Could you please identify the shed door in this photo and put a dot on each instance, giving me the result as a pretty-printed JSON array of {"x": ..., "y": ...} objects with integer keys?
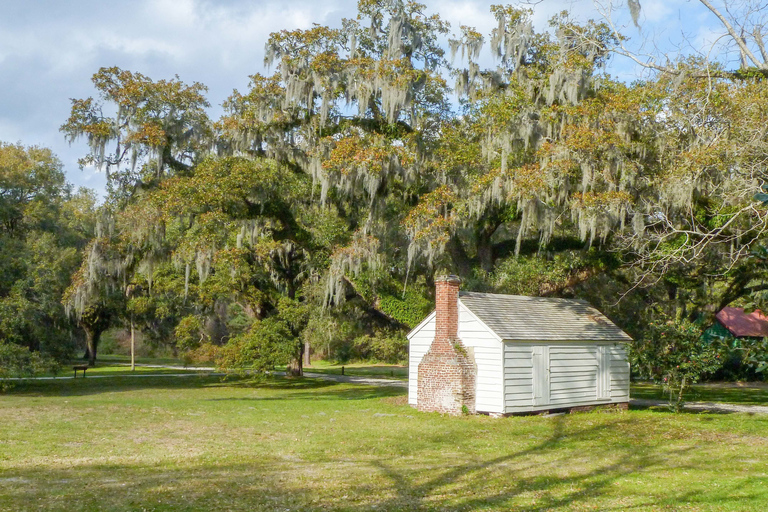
[
  {"x": 540, "y": 375},
  {"x": 604, "y": 372}
]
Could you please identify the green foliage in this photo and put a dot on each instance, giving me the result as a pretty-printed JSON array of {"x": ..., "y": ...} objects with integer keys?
[
  {"x": 43, "y": 228},
  {"x": 348, "y": 170},
  {"x": 382, "y": 346},
  {"x": 330, "y": 332},
  {"x": 743, "y": 358},
  {"x": 189, "y": 333},
  {"x": 267, "y": 344},
  {"x": 407, "y": 308},
  {"x": 157, "y": 127},
  {"x": 675, "y": 355},
  {"x": 535, "y": 275},
  {"x": 19, "y": 362}
]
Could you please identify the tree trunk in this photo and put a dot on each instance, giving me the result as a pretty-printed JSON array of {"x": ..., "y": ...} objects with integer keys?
[
  {"x": 461, "y": 264},
  {"x": 91, "y": 343},
  {"x": 133, "y": 346},
  {"x": 296, "y": 367},
  {"x": 485, "y": 252},
  {"x": 307, "y": 360},
  {"x": 484, "y": 230}
]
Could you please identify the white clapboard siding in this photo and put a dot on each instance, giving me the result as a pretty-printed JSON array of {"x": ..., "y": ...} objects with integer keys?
[
  {"x": 574, "y": 377},
  {"x": 619, "y": 372},
  {"x": 573, "y": 374},
  {"x": 418, "y": 345},
  {"x": 487, "y": 351},
  {"x": 518, "y": 376}
]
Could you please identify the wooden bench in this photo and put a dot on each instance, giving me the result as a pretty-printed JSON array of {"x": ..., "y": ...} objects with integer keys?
[{"x": 78, "y": 367}]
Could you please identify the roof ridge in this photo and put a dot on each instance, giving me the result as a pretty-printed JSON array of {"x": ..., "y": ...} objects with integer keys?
[{"x": 526, "y": 297}]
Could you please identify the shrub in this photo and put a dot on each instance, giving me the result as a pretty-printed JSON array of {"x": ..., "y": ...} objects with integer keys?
[
  {"x": 266, "y": 344},
  {"x": 383, "y": 346},
  {"x": 20, "y": 362},
  {"x": 408, "y": 308},
  {"x": 675, "y": 355}
]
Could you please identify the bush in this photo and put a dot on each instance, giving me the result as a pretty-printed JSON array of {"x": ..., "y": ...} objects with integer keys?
[
  {"x": 533, "y": 275},
  {"x": 384, "y": 347},
  {"x": 743, "y": 358},
  {"x": 408, "y": 308},
  {"x": 19, "y": 362},
  {"x": 675, "y": 355},
  {"x": 266, "y": 344}
]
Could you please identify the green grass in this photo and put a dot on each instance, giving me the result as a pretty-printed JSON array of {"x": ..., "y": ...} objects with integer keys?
[
  {"x": 360, "y": 369},
  {"x": 169, "y": 361},
  {"x": 109, "y": 368},
  {"x": 726, "y": 392},
  {"x": 198, "y": 443}
]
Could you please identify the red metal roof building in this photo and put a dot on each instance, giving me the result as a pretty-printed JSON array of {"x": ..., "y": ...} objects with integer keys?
[{"x": 742, "y": 324}]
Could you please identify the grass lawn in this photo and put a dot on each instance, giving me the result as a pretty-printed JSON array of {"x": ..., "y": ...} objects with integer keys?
[
  {"x": 360, "y": 369},
  {"x": 168, "y": 361},
  {"x": 200, "y": 443},
  {"x": 112, "y": 369},
  {"x": 747, "y": 393}
]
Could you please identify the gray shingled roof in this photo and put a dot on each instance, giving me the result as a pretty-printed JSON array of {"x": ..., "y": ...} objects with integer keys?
[{"x": 515, "y": 317}]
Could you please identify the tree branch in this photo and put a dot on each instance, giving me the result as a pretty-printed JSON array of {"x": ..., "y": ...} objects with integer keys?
[{"x": 736, "y": 37}]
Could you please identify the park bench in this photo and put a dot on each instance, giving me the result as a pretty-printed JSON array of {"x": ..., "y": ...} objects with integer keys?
[{"x": 78, "y": 367}]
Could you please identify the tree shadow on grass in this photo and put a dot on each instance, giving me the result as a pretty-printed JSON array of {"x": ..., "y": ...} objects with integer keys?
[
  {"x": 747, "y": 394},
  {"x": 100, "y": 487},
  {"x": 297, "y": 388},
  {"x": 526, "y": 482},
  {"x": 699, "y": 409},
  {"x": 92, "y": 386},
  {"x": 539, "y": 477},
  {"x": 313, "y": 389}
]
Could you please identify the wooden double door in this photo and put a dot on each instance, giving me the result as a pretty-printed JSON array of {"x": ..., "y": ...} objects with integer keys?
[{"x": 570, "y": 374}]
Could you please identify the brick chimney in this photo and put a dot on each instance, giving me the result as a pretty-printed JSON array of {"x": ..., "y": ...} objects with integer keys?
[
  {"x": 446, "y": 373},
  {"x": 446, "y": 309}
]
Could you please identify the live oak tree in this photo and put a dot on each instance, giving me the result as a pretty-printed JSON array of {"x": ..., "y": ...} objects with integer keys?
[
  {"x": 701, "y": 224},
  {"x": 353, "y": 173},
  {"x": 139, "y": 130}
]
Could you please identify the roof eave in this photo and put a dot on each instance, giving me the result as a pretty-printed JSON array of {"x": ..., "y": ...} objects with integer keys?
[{"x": 572, "y": 340}]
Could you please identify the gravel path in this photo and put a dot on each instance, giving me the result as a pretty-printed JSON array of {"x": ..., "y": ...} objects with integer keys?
[{"x": 715, "y": 407}]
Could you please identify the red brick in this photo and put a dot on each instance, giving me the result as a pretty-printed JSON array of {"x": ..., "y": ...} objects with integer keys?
[{"x": 446, "y": 374}]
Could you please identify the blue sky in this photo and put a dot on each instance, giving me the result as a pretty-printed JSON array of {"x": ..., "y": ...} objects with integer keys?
[{"x": 49, "y": 48}]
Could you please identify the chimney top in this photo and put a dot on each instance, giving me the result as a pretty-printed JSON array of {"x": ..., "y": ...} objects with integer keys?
[{"x": 448, "y": 279}]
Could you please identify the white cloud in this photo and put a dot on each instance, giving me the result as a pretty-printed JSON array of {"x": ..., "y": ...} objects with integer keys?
[
  {"x": 49, "y": 49},
  {"x": 655, "y": 11}
]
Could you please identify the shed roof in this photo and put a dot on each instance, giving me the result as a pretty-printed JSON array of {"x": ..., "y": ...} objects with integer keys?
[
  {"x": 753, "y": 324},
  {"x": 517, "y": 317}
]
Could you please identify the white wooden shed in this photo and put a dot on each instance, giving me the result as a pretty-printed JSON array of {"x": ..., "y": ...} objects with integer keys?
[{"x": 530, "y": 353}]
